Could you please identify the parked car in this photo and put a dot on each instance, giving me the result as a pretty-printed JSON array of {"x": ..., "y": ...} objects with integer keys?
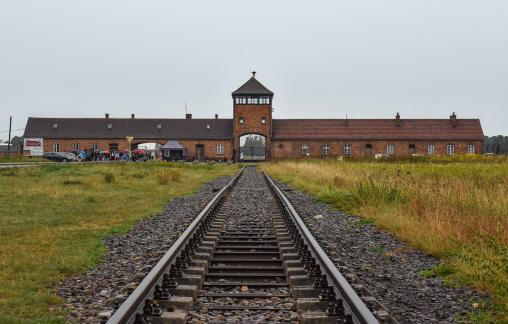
[{"x": 60, "y": 157}]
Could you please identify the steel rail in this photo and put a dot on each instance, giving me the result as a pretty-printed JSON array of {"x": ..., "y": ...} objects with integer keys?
[
  {"x": 360, "y": 312},
  {"x": 127, "y": 311}
]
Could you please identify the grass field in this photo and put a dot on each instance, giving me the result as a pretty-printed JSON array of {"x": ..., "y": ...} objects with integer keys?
[
  {"x": 20, "y": 158},
  {"x": 456, "y": 209},
  {"x": 53, "y": 217}
]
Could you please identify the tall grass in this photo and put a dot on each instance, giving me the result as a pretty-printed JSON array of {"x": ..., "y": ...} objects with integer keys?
[
  {"x": 52, "y": 220},
  {"x": 454, "y": 210}
]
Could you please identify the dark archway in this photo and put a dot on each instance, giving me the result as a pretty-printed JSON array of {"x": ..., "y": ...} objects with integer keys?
[{"x": 252, "y": 147}]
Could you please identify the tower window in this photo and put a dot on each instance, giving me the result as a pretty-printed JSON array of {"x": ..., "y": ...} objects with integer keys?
[
  {"x": 241, "y": 120},
  {"x": 263, "y": 120},
  {"x": 237, "y": 100}
]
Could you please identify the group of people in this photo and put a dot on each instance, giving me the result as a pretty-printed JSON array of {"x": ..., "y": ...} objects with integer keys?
[{"x": 136, "y": 155}]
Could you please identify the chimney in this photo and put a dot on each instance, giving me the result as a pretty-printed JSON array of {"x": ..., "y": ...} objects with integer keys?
[
  {"x": 216, "y": 116},
  {"x": 107, "y": 115},
  {"x": 132, "y": 116},
  {"x": 188, "y": 116},
  {"x": 453, "y": 119},
  {"x": 397, "y": 119}
]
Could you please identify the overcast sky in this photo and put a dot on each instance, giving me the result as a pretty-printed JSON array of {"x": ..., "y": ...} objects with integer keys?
[{"x": 322, "y": 59}]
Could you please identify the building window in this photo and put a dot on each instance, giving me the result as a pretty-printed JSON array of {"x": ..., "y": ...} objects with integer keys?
[
  {"x": 75, "y": 147},
  {"x": 431, "y": 149},
  {"x": 470, "y": 148},
  {"x": 56, "y": 147},
  {"x": 244, "y": 100},
  {"x": 263, "y": 120},
  {"x": 110, "y": 126},
  {"x": 237, "y": 100},
  {"x": 220, "y": 149},
  {"x": 389, "y": 149},
  {"x": 95, "y": 147},
  {"x": 347, "y": 149},
  {"x": 252, "y": 100},
  {"x": 305, "y": 149},
  {"x": 326, "y": 149},
  {"x": 241, "y": 120},
  {"x": 450, "y": 149}
]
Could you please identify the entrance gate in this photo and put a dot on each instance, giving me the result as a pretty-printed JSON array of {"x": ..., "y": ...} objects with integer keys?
[{"x": 252, "y": 148}]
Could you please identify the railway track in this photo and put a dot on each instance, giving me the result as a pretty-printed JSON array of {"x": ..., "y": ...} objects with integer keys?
[{"x": 248, "y": 257}]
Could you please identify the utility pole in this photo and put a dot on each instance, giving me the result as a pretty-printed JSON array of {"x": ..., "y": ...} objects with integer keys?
[{"x": 9, "y": 143}]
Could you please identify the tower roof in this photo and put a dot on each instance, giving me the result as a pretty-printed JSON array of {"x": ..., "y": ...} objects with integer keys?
[{"x": 252, "y": 87}]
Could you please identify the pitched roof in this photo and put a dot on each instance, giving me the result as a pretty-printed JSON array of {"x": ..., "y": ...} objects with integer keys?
[
  {"x": 122, "y": 127},
  {"x": 172, "y": 145},
  {"x": 377, "y": 129},
  {"x": 252, "y": 87}
]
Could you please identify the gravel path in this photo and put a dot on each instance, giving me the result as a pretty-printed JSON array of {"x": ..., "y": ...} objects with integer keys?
[
  {"x": 387, "y": 267},
  {"x": 130, "y": 257}
]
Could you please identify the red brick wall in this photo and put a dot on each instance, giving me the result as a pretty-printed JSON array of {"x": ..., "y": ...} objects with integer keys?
[
  {"x": 292, "y": 149},
  {"x": 210, "y": 146},
  {"x": 252, "y": 115}
]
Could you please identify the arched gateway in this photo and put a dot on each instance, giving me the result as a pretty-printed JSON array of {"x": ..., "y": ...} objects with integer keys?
[{"x": 252, "y": 147}]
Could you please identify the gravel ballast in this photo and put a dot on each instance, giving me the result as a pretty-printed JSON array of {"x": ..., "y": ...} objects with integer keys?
[
  {"x": 390, "y": 270},
  {"x": 130, "y": 257}
]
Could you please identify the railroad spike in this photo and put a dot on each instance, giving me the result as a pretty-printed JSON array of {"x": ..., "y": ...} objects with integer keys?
[
  {"x": 151, "y": 308},
  {"x": 140, "y": 319},
  {"x": 335, "y": 308},
  {"x": 161, "y": 293},
  {"x": 327, "y": 294},
  {"x": 321, "y": 282}
]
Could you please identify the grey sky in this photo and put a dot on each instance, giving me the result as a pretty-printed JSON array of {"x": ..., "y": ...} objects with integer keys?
[{"x": 323, "y": 59}]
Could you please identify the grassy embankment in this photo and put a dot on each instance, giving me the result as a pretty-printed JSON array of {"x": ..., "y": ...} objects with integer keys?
[
  {"x": 20, "y": 158},
  {"x": 52, "y": 219},
  {"x": 453, "y": 208}
]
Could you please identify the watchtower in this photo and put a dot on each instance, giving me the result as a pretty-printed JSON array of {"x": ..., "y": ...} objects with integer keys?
[{"x": 252, "y": 121}]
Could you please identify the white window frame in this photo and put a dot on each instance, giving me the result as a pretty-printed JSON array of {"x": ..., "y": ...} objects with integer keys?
[
  {"x": 348, "y": 149},
  {"x": 326, "y": 149},
  {"x": 75, "y": 146},
  {"x": 241, "y": 120},
  {"x": 431, "y": 149},
  {"x": 263, "y": 120},
  {"x": 450, "y": 149},
  {"x": 56, "y": 147},
  {"x": 470, "y": 148},
  {"x": 305, "y": 149},
  {"x": 95, "y": 147},
  {"x": 220, "y": 149},
  {"x": 390, "y": 149}
]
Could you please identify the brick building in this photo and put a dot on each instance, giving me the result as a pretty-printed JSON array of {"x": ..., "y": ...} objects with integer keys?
[{"x": 252, "y": 134}]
